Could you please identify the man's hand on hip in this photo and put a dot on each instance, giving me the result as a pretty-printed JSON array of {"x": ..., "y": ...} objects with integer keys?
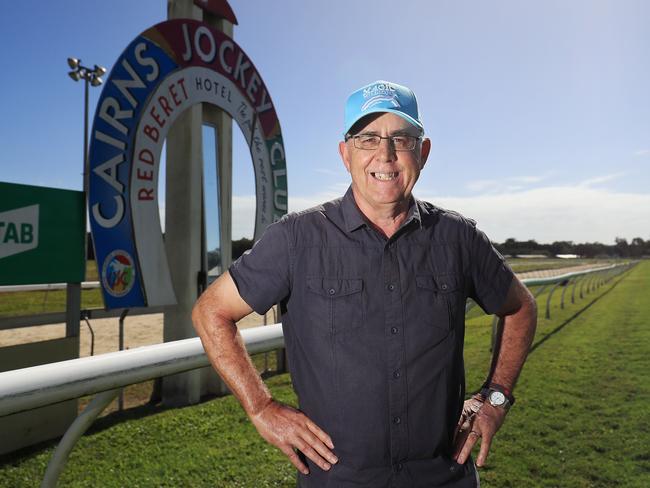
[
  {"x": 288, "y": 428},
  {"x": 478, "y": 420}
]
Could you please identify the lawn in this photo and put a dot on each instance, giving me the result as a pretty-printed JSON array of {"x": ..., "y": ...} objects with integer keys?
[
  {"x": 582, "y": 417},
  {"x": 35, "y": 302}
]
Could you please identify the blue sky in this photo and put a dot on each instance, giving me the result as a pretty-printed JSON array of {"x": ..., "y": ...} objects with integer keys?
[{"x": 539, "y": 112}]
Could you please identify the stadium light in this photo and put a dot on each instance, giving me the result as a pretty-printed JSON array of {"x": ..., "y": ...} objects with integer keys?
[{"x": 90, "y": 77}]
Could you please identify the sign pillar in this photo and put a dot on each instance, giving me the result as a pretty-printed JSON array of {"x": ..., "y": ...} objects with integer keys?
[
  {"x": 222, "y": 122},
  {"x": 183, "y": 212},
  {"x": 183, "y": 228}
]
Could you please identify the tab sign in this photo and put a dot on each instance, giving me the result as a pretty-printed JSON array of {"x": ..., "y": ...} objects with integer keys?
[{"x": 18, "y": 230}]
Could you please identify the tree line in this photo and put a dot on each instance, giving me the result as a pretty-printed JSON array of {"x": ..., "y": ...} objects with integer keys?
[{"x": 636, "y": 248}]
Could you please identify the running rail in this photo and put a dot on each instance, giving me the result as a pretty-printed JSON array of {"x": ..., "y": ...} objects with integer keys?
[
  {"x": 86, "y": 285},
  {"x": 105, "y": 374},
  {"x": 38, "y": 386}
]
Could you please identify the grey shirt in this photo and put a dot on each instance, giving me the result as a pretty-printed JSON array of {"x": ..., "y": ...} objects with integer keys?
[{"x": 374, "y": 331}]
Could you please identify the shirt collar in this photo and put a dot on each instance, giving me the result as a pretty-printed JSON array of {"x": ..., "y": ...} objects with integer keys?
[
  {"x": 352, "y": 216},
  {"x": 354, "y": 219}
]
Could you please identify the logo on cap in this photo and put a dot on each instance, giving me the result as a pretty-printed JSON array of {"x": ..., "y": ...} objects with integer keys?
[{"x": 381, "y": 92}]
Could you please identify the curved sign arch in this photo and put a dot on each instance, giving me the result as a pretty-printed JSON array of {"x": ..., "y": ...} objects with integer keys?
[{"x": 163, "y": 72}]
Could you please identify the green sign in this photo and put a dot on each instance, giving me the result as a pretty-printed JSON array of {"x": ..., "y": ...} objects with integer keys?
[{"x": 42, "y": 234}]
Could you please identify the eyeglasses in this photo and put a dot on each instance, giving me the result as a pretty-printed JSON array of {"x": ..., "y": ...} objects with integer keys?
[{"x": 401, "y": 142}]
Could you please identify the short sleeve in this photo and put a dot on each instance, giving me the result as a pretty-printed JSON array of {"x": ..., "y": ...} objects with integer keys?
[
  {"x": 490, "y": 274},
  {"x": 261, "y": 274}
]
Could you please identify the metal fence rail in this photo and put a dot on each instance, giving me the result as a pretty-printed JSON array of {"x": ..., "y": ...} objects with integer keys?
[
  {"x": 38, "y": 386},
  {"x": 106, "y": 374},
  {"x": 86, "y": 285}
]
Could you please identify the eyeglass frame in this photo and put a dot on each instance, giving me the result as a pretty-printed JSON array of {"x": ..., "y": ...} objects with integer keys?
[{"x": 415, "y": 140}]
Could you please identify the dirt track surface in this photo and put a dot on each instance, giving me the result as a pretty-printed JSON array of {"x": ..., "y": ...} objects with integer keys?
[
  {"x": 139, "y": 330},
  {"x": 142, "y": 330}
]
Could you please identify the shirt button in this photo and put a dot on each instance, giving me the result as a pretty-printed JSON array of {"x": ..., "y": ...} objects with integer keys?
[
  {"x": 394, "y": 330},
  {"x": 398, "y": 467},
  {"x": 444, "y": 286},
  {"x": 331, "y": 291},
  {"x": 396, "y": 374},
  {"x": 397, "y": 420},
  {"x": 390, "y": 287}
]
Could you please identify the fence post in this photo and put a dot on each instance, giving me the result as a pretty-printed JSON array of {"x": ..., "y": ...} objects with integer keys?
[
  {"x": 120, "y": 400},
  {"x": 548, "y": 300},
  {"x": 565, "y": 284},
  {"x": 539, "y": 292},
  {"x": 493, "y": 340},
  {"x": 573, "y": 290},
  {"x": 72, "y": 435}
]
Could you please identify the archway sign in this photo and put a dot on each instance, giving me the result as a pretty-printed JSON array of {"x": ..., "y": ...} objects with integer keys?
[{"x": 164, "y": 71}]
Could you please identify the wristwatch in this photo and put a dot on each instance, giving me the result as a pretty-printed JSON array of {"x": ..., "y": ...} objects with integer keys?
[{"x": 498, "y": 396}]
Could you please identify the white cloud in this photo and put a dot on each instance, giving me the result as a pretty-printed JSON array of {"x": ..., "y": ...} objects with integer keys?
[
  {"x": 642, "y": 152},
  {"x": 555, "y": 213},
  {"x": 581, "y": 213},
  {"x": 600, "y": 179},
  {"x": 161, "y": 212},
  {"x": 243, "y": 207},
  {"x": 243, "y": 216},
  {"x": 483, "y": 185},
  {"x": 510, "y": 183},
  {"x": 527, "y": 179}
]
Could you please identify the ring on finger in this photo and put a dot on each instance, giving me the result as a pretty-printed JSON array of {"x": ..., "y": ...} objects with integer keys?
[{"x": 477, "y": 434}]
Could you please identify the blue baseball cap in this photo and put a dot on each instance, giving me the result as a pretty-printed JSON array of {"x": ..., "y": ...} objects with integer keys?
[{"x": 382, "y": 96}]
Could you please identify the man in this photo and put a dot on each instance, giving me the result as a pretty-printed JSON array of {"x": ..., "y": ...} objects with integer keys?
[{"x": 372, "y": 288}]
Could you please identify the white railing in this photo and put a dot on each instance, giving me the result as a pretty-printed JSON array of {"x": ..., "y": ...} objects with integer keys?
[
  {"x": 106, "y": 374},
  {"x": 38, "y": 386},
  {"x": 86, "y": 285}
]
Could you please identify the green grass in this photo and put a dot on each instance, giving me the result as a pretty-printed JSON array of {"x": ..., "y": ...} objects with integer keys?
[
  {"x": 35, "y": 302},
  {"x": 581, "y": 419},
  {"x": 20, "y": 303}
]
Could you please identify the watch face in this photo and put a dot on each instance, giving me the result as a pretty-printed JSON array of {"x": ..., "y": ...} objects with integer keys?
[{"x": 497, "y": 398}]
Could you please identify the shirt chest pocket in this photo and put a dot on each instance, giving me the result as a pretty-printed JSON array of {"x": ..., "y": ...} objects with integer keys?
[
  {"x": 438, "y": 299},
  {"x": 335, "y": 304}
]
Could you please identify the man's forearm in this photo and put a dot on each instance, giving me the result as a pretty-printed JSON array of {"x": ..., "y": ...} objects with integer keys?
[
  {"x": 287, "y": 428},
  {"x": 227, "y": 353},
  {"x": 515, "y": 333},
  {"x": 514, "y": 338}
]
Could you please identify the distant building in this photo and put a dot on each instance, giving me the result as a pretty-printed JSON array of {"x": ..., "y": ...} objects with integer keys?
[{"x": 532, "y": 256}]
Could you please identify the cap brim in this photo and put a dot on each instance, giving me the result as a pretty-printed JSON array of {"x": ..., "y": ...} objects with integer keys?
[{"x": 378, "y": 110}]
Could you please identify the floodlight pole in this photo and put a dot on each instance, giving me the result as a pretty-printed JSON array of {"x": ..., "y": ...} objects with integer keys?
[
  {"x": 90, "y": 76},
  {"x": 85, "y": 187},
  {"x": 73, "y": 295}
]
